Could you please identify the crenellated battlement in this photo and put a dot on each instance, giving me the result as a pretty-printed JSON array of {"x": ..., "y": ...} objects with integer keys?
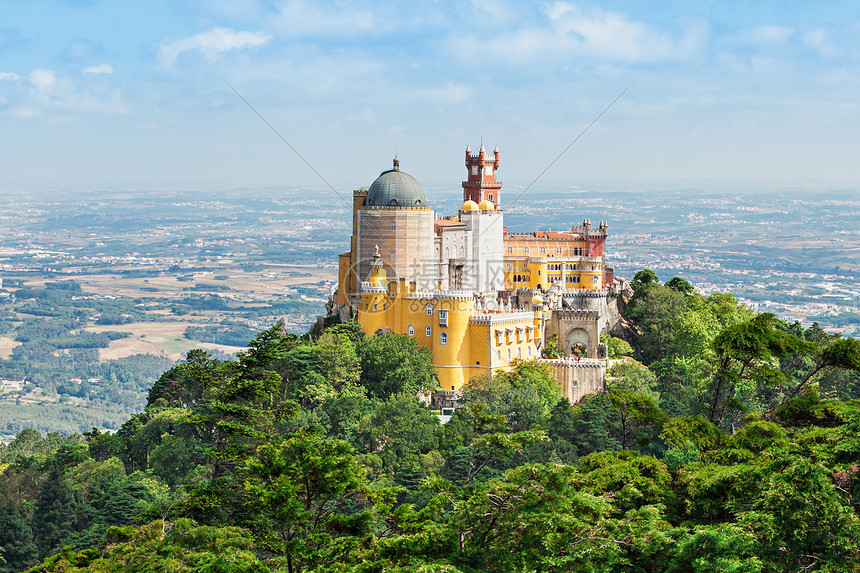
[
  {"x": 578, "y": 314},
  {"x": 491, "y": 317}
]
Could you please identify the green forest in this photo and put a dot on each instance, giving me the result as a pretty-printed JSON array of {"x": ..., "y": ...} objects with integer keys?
[{"x": 726, "y": 441}]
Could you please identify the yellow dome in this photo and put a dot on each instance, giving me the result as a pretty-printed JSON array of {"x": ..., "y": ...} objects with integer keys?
[
  {"x": 486, "y": 205},
  {"x": 537, "y": 300},
  {"x": 469, "y": 206}
]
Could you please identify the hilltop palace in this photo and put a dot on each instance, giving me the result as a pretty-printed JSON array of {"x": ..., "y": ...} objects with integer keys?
[{"x": 474, "y": 293}]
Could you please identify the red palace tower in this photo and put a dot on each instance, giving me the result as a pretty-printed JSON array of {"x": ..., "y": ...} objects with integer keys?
[{"x": 482, "y": 182}]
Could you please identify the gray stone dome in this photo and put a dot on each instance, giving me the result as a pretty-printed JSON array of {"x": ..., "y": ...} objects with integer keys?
[{"x": 395, "y": 188}]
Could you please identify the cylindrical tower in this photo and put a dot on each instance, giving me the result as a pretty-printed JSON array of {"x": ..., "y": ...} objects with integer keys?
[
  {"x": 451, "y": 346},
  {"x": 395, "y": 217}
]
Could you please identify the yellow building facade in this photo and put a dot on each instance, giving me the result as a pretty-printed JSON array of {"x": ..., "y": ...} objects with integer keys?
[{"x": 465, "y": 339}]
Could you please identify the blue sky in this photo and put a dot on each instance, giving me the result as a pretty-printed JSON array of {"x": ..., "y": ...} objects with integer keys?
[{"x": 132, "y": 95}]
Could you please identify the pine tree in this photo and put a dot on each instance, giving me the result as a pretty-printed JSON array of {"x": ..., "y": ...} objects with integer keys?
[
  {"x": 16, "y": 539},
  {"x": 54, "y": 518}
]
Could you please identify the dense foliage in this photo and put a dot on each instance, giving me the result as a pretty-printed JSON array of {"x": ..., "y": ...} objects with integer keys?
[{"x": 730, "y": 443}]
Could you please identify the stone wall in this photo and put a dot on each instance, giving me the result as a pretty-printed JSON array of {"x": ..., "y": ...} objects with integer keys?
[{"x": 578, "y": 378}]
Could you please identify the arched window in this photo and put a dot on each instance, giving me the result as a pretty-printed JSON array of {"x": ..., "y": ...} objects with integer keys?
[
  {"x": 509, "y": 354},
  {"x": 500, "y": 354},
  {"x": 443, "y": 338},
  {"x": 530, "y": 351},
  {"x": 490, "y": 197},
  {"x": 526, "y": 250},
  {"x": 411, "y": 330},
  {"x": 428, "y": 331},
  {"x": 429, "y": 310}
]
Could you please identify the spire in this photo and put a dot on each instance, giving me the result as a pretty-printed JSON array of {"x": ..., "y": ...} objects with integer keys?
[{"x": 396, "y": 163}]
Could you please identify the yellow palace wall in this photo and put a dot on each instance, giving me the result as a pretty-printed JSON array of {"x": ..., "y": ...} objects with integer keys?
[
  {"x": 470, "y": 349},
  {"x": 544, "y": 261}
]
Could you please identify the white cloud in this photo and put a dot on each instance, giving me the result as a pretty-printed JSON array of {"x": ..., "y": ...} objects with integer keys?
[
  {"x": 24, "y": 112},
  {"x": 768, "y": 35},
  {"x": 614, "y": 36},
  {"x": 819, "y": 41},
  {"x": 449, "y": 95},
  {"x": 758, "y": 38},
  {"x": 211, "y": 43},
  {"x": 99, "y": 69},
  {"x": 59, "y": 98},
  {"x": 43, "y": 80},
  {"x": 594, "y": 34},
  {"x": 9, "y": 76},
  {"x": 299, "y": 18}
]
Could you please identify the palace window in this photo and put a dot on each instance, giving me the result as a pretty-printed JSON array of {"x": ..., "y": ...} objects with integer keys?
[
  {"x": 543, "y": 250},
  {"x": 526, "y": 250},
  {"x": 411, "y": 330},
  {"x": 443, "y": 338},
  {"x": 443, "y": 318},
  {"x": 558, "y": 250},
  {"x": 428, "y": 331},
  {"x": 519, "y": 352},
  {"x": 509, "y": 354},
  {"x": 429, "y": 310},
  {"x": 510, "y": 250}
]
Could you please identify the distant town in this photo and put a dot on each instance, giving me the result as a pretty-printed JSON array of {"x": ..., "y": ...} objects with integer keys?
[{"x": 101, "y": 294}]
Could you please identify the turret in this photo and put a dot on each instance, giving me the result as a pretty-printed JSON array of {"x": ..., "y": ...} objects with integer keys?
[
  {"x": 481, "y": 184},
  {"x": 378, "y": 277},
  {"x": 374, "y": 309}
]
